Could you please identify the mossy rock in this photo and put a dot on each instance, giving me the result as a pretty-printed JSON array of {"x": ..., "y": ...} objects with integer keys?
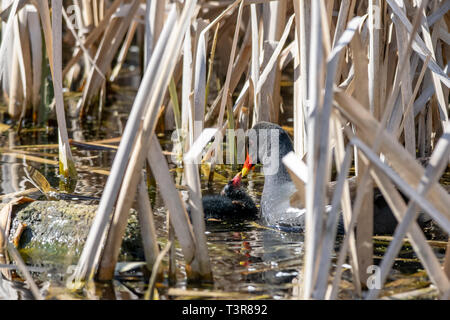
[{"x": 56, "y": 231}]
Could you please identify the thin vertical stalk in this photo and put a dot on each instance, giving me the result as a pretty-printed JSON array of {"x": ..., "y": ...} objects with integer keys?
[
  {"x": 313, "y": 210},
  {"x": 66, "y": 162}
]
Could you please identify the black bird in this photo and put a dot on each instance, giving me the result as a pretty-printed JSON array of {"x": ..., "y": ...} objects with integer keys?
[{"x": 233, "y": 203}]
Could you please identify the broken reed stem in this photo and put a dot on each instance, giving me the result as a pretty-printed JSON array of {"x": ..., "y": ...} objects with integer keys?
[
  {"x": 149, "y": 294},
  {"x": 22, "y": 267},
  {"x": 211, "y": 64}
]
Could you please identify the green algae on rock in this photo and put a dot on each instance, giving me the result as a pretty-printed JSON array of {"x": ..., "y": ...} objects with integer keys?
[{"x": 57, "y": 230}]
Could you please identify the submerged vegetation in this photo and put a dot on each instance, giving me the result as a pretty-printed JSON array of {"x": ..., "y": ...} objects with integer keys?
[{"x": 361, "y": 87}]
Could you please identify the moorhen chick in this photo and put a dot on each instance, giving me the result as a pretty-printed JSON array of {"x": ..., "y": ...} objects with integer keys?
[{"x": 233, "y": 203}]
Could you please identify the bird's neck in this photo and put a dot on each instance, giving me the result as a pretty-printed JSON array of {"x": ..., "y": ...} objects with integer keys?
[{"x": 276, "y": 174}]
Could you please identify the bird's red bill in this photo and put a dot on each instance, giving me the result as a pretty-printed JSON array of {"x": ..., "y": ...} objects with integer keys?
[
  {"x": 248, "y": 165},
  {"x": 237, "y": 180}
]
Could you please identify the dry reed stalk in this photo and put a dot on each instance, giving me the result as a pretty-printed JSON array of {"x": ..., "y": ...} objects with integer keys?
[
  {"x": 15, "y": 85},
  {"x": 124, "y": 50},
  {"x": 273, "y": 20},
  {"x": 375, "y": 20},
  {"x": 236, "y": 109},
  {"x": 226, "y": 93},
  {"x": 326, "y": 39},
  {"x": 66, "y": 162},
  {"x": 438, "y": 163},
  {"x": 274, "y": 57},
  {"x": 91, "y": 251},
  {"x": 436, "y": 81},
  {"x": 25, "y": 59},
  {"x": 364, "y": 244},
  {"x": 96, "y": 12},
  {"x": 267, "y": 81},
  {"x": 79, "y": 21},
  {"x": 419, "y": 45},
  {"x": 331, "y": 226},
  {"x": 211, "y": 64},
  {"x": 187, "y": 120},
  {"x": 7, "y": 40},
  {"x": 340, "y": 158},
  {"x": 406, "y": 90},
  {"x": 414, "y": 94},
  {"x": 191, "y": 160},
  {"x": 53, "y": 41},
  {"x": 418, "y": 240},
  {"x": 301, "y": 8},
  {"x": 314, "y": 205},
  {"x": 391, "y": 152},
  {"x": 255, "y": 64},
  {"x": 147, "y": 225},
  {"x": 402, "y": 162},
  {"x": 93, "y": 35},
  {"x": 226, "y": 87},
  {"x": 87, "y": 53},
  {"x": 7, "y": 7},
  {"x": 149, "y": 294},
  {"x": 178, "y": 216},
  {"x": 381, "y": 63},
  {"x": 344, "y": 11},
  {"x": 143, "y": 141},
  {"x": 30, "y": 158},
  {"x": 341, "y": 193},
  {"x": 200, "y": 77},
  {"x": 5, "y": 245},
  {"x": 298, "y": 171},
  {"x": 5, "y": 226},
  {"x": 86, "y": 10},
  {"x": 239, "y": 68},
  {"x": 112, "y": 38},
  {"x": 324, "y": 118},
  {"x": 34, "y": 29},
  {"x": 377, "y": 142},
  {"x": 446, "y": 266},
  {"x": 154, "y": 22},
  {"x": 19, "y": 193}
]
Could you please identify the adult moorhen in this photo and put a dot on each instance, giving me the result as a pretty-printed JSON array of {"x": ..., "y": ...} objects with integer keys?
[{"x": 268, "y": 144}]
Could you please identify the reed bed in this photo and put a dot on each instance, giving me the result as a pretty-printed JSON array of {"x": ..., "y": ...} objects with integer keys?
[{"x": 369, "y": 87}]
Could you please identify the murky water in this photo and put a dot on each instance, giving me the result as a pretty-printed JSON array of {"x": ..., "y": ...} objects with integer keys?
[{"x": 247, "y": 259}]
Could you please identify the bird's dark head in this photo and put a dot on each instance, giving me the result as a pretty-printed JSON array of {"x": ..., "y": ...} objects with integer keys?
[
  {"x": 233, "y": 186},
  {"x": 268, "y": 143}
]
